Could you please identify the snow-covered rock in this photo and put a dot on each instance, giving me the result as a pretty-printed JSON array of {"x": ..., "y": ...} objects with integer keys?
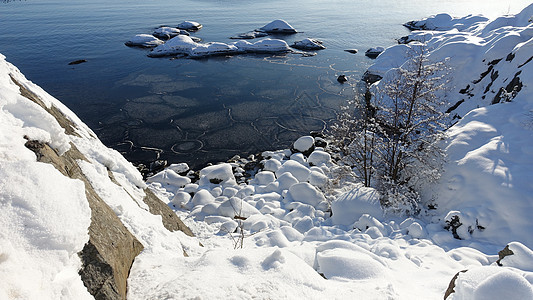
[
  {"x": 308, "y": 44},
  {"x": 319, "y": 158},
  {"x": 144, "y": 40},
  {"x": 296, "y": 169},
  {"x": 169, "y": 177},
  {"x": 350, "y": 206},
  {"x": 305, "y": 193},
  {"x": 278, "y": 26},
  {"x": 304, "y": 144},
  {"x": 218, "y": 174},
  {"x": 189, "y": 26},
  {"x": 180, "y": 44},
  {"x": 236, "y": 207},
  {"x": 166, "y": 32},
  {"x": 263, "y": 46}
]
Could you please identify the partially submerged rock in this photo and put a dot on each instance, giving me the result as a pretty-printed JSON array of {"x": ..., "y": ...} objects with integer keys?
[
  {"x": 352, "y": 51},
  {"x": 144, "y": 41},
  {"x": 374, "y": 52},
  {"x": 186, "y": 46},
  {"x": 308, "y": 44},
  {"x": 342, "y": 78},
  {"x": 168, "y": 32},
  {"x": 263, "y": 46},
  {"x": 190, "y": 26},
  {"x": 250, "y": 35},
  {"x": 278, "y": 26}
]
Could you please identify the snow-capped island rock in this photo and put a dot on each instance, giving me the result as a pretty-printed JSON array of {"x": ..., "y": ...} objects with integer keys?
[
  {"x": 308, "y": 44},
  {"x": 167, "y": 32},
  {"x": 189, "y": 26},
  {"x": 278, "y": 26},
  {"x": 186, "y": 46},
  {"x": 144, "y": 41}
]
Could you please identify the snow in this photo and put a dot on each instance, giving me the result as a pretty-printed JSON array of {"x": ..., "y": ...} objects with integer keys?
[
  {"x": 304, "y": 143},
  {"x": 350, "y": 206},
  {"x": 278, "y": 26},
  {"x": 144, "y": 40},
  {"x": 279, "y": 233},
  {"x": 189, "y": 25},
  {"x": 185, "y": 45},
  {"x": 308, "y": 44},
  {"x": 492, "y": 283},
  {"x": 166, "y": 32}
]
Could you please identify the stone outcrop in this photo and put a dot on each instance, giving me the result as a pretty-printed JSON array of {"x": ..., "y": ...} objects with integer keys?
[{"x": 111, "y": 250}]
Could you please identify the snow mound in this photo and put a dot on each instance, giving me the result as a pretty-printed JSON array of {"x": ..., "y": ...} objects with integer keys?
[
  {"x": 278, "y": 26},
  {"x": 350, "y": 206},
  {"x": 492, "y": 283}
]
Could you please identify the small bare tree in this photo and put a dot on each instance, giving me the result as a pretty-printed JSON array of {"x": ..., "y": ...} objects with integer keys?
[{"x": 391, "y": 136}]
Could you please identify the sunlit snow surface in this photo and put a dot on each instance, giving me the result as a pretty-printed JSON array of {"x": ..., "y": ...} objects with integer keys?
[
  {"x": 291, "y": 244},
  {"x": 290, "y": 240}
]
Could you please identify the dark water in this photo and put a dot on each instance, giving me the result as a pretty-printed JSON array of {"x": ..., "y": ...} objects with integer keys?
[{"x": 198, "y": 111}]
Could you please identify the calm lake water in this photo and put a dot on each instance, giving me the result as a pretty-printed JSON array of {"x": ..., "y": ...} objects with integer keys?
[{"x": 198, "y": 111}]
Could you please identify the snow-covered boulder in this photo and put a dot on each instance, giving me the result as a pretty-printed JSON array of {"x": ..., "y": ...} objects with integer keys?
[
  {"x": 144, "y": 40},
  {"x": 489, "y": 282},
  {"x": 202, "y": 197},
  {"x": 218, "y": 174},
  {"x": 169, "y": 177},
  {"x": 308, "y": 44},
  {"x": 189, "y": 26},
  {"x": 180, "y": 168},
  {"x": 278, "y": 26},
  {"x": 236, "y": 207},
  {"x": 305, "y": 193},
  {"x": 296, "y": 169},
  {"x": 263, "y": 46},
  {"x": 350, "y": 206},
  {"x": 166, "y": 32},
  {"x": 212, "y": 49},
  {"x": 319, "y": 158},
  {"x": 304, "y": 144},
  {"x": 180, "y": 44}
]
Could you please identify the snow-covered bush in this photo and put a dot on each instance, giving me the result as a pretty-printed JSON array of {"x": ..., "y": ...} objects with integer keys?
[{"x": 391, "y": 136}]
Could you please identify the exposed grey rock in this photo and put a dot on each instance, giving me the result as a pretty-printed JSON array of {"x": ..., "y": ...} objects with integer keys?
[{"x": 451, "y": 286}]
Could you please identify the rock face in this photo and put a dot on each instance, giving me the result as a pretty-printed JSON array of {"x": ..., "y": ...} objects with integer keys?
[{"x": 109, "y": 254}]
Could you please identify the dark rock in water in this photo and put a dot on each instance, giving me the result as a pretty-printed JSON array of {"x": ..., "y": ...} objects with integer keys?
[
  {"x": 374, "y": 52},
  {"x": 404, "y": 40},
  {"x": 371, "y": 78},
  {"x": 342, "y": 78},
  {"x": 320, "y": 142},
  {"x": 352, "y": 51},
  {"x": 157, "y": 166},
  {"x": 77, "y": 62}
]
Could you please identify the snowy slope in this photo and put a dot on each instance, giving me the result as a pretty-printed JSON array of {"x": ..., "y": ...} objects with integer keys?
[
  {"x": 46, "y": 215},
  {"x": 488, "y": 182}
]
